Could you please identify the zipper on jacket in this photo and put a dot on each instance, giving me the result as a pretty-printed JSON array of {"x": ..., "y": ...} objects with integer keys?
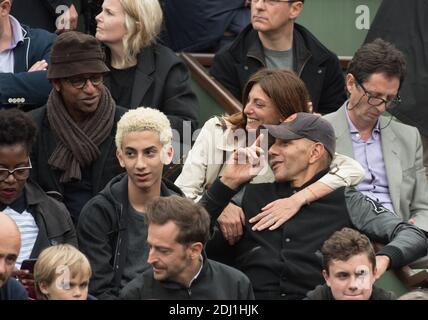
[{"x": 117, "y": 255}]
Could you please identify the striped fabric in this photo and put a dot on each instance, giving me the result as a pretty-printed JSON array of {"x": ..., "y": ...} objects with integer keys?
[{"x": 29, "y": 231}]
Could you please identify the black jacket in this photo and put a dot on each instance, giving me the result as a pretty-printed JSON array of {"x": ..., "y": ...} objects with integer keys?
[
  {"x": 103, "y": 236},
  {"x": 103, "y": 169},
  {"x": 216, "y": 281},
  {"x": 52, "y": 219},
  {"x": 162, "y": 82},
  {"x": 318, "y": 67},
  {"x": 323, "y": 292},
  {"x": 286, "y": 263}
]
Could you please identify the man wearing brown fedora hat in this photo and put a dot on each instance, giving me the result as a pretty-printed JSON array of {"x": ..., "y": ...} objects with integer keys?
[
  {"x": 283, "y": 263},
  {"x": 75, "y": 153}
]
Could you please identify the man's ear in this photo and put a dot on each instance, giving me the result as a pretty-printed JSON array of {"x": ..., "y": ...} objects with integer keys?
[
  {"x": 196, "y": 249},
  {"x": 350, "y": 82},
  {"x": 296, "y": 9},
  {"x": 317, "y": 152},
  {"x": 326, "y": 277},
  {"x": 119, "y": 156},
  {"x": 374, "y": 275},
  {"x": 166, "y": 155},
  {"x": 5, "y": 8},
  {"x": 56, "y": 84}
]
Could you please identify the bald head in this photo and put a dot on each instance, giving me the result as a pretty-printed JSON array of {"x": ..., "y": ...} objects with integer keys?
[
  {"x": 9, "y": 229},
  {"x": 10, "y": 244}
]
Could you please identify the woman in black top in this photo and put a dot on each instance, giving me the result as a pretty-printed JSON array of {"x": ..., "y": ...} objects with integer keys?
[{"x": 144, "y": 73}]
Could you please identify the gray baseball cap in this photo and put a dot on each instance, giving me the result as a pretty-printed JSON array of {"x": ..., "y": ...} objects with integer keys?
[{"x": 305, "y": 125}]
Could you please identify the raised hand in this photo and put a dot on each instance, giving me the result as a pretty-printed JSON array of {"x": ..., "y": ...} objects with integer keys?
[{"x": 244, "y": 164}]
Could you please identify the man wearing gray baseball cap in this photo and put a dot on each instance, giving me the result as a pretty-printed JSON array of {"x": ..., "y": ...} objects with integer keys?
[{"x": 282, "y": 263}]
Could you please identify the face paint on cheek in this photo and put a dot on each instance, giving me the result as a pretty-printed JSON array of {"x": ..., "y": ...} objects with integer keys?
[{"x": 363, "y": 279}]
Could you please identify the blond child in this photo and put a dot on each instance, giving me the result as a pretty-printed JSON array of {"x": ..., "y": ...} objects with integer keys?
[{"x": 62, "y": 272}]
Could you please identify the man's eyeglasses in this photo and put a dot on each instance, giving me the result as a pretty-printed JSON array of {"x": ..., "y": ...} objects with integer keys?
[
  {"x": 376, "y": 101},
  {"x": 80, "y": 82},
  {"x": 20, "y": 173},
  {"x": 270, "y": 2}
]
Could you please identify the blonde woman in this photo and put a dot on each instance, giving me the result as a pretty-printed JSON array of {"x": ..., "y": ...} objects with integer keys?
[
  {"x": 62, "y": 272},
  {"x": 144, "y": 73}
]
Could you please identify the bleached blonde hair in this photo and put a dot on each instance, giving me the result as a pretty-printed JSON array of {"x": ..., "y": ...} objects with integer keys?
[
  {"x": 55, "y": 257},
  {"x": 144, "y": 119},
  {"x": 143, "y": 21}
]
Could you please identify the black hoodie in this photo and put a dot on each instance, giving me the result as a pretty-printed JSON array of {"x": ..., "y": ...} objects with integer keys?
[{"x": 103, "y": 237}]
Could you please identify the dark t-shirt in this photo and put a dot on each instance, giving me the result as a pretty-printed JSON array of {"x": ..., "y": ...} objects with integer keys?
[
  {"x": 13, "y": 290},
  {"x": 121, "y": 85},
  {"x": 138, "y": 250}
]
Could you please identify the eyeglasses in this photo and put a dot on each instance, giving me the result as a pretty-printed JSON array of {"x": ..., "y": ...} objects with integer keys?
[
  {"x": 376, "y": 101},
  {"x": 80, "y": 82},
  {"x": 20, "y": 173},
  {"x": 272, "y": 2}
]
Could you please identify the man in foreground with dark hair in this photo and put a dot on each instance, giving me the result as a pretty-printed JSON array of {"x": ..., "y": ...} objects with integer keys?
[
  {"x": 178, "y": 230},
  {"x": 349, "y": 269}
]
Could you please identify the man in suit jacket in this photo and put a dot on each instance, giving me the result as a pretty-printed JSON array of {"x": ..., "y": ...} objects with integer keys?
[
  {"x": 389, "y": 151},
  {"x": 24, "y": 57}
]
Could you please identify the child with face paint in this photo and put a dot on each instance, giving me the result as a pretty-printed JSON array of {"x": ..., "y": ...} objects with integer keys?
[{"x": 349, "y": 269}]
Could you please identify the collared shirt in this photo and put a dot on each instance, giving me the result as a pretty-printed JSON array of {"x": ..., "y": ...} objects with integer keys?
[
  {"x": 201, "y": 258},
  {"x": 7, "y": 60},
  {"x": 369, "y": 154}
]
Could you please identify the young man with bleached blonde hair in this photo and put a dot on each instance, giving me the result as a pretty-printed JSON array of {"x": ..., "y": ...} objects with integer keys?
[{"x": 112, "y": 231}]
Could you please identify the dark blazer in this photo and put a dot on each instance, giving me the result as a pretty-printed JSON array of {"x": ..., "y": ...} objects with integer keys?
[
  {"x": 29, "y": 88},
  {"x": 162, "y": 81},
  {"x": 39, "y": 13},
  {"x": 317, "y": 66},
  {"x": 103, "y": 169}
]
